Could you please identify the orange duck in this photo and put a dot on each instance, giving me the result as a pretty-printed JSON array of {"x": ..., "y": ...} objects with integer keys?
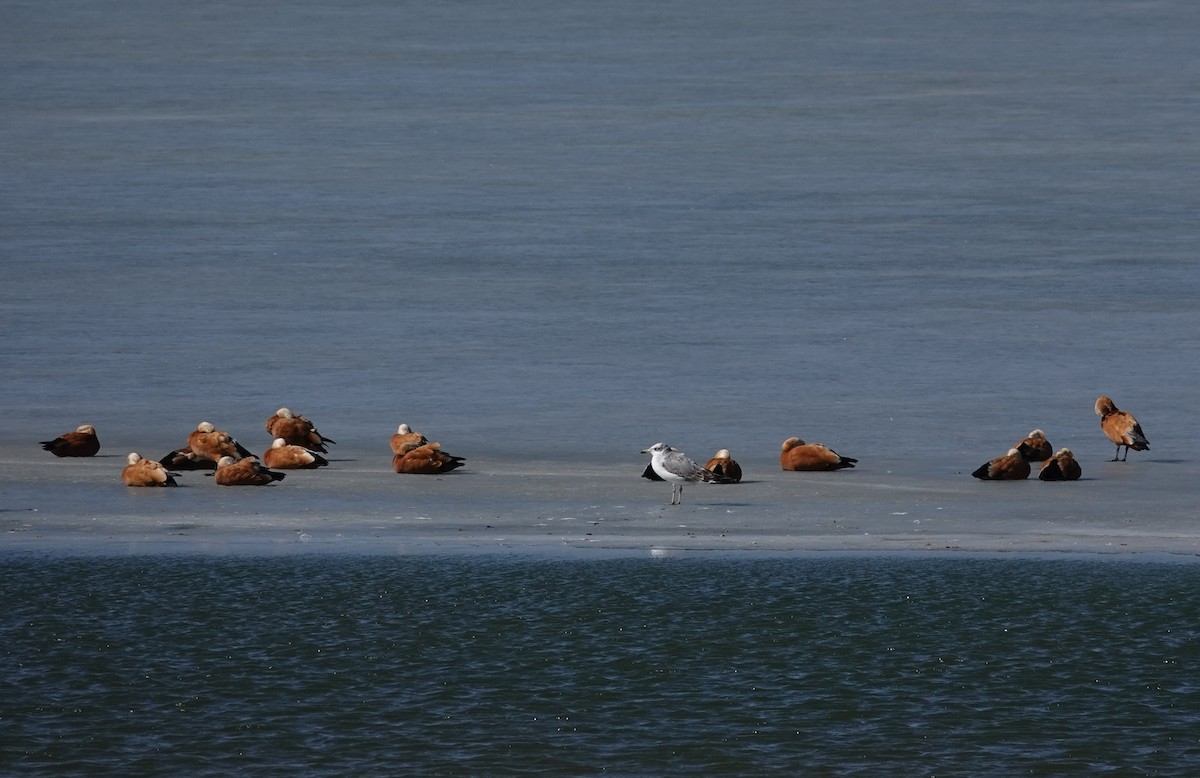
[
  {"x": 146, "y": 472},
  {"x": 798, "y": 455},
  {"x": 428, "y": 459},
  {"x": 1010, "y": 467},
  {"x": 1121, "y": 428},
  {"x": 80, "y": 443}
]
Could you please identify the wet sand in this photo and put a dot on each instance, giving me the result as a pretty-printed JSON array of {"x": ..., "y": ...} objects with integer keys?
[{"x": 585, "y": 508}]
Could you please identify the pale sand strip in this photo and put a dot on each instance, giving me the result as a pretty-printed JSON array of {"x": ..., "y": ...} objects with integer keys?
[{"x": 357, "y": 505}]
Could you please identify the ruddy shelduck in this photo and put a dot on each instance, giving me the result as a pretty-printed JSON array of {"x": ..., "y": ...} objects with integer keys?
[
  {"x": 1060, "y": 467},
  {"x": 798, "y": 455},
  {"x": 425, "y": 459},
  {"x": 244, "y": 472},
  {"x": 80, "y": 443},
  {"x": 284, "y": 456},
  {"x": 146, "y": 472},
  {"x": 208, "y": 442},
  {"x": 1121, "y": 428},
  {"x": 725, "y": 467},
  {"x": 186, "y": 459},
  {"x": 1035, "y": 447},
  {"x": 1010, "y": 467},
  {"x": 405, "y": 435},
  {"x": 297, "y": 431}
]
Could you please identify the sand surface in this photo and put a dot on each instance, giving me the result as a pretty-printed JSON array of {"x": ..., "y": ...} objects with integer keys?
[{"x": 357, "y": 505}]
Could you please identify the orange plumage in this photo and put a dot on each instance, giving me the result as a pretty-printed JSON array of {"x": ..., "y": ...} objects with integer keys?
[
  {"x": 725, "y": 467},
  {"x": 1061, "y": 467},
  {"x": 1035, "y": 447},
  {"x": 208, "y": 442},
  {"x": 244, "y": 472},
  {"x": 427, "y": 459},
  {"x": 1010, "y": 467},
  {"x": 146, "y": 472},
  {"x": 798, "y": 455},
  {"x": 1121, "y": 428},
  {"x": 285, "y": 456},
  {"x": 80, "y": 443}
]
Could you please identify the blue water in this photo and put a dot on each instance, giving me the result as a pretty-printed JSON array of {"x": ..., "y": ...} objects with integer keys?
[
  {"x": 559, "y": 232},
  {"x": 577, "y": 228},
  {"x": 490, "y": 665}
]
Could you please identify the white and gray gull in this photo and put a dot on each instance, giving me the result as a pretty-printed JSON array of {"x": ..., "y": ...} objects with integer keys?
[{"x": 677, "y": 469}]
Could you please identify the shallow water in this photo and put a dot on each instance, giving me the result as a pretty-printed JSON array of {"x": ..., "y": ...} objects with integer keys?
[
  {"x": 573, "y": 230},
  {"x": 469, "y": 666}
]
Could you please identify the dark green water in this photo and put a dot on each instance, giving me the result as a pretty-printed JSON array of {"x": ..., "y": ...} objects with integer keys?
[{"x": 494, "y": 665}]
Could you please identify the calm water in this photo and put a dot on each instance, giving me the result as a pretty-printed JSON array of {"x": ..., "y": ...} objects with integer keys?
[
  {"x": 530, "y": 226},
  {"x": 490, "y": 665}
]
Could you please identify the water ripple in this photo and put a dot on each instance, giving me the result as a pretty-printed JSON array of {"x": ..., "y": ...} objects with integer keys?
[{"x": 683, "y": 666}]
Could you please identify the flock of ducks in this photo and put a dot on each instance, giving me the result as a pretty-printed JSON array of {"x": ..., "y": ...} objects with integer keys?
[
  {"x": 296, "y": 444},
  {"x": 1120, "y": 427}
]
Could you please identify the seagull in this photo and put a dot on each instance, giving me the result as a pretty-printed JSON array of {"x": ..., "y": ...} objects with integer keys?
[{"x": 676, "y": 468}]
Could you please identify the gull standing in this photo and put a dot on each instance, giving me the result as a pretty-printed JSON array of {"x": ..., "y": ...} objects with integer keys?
[{"x": 676, "y": 468}]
